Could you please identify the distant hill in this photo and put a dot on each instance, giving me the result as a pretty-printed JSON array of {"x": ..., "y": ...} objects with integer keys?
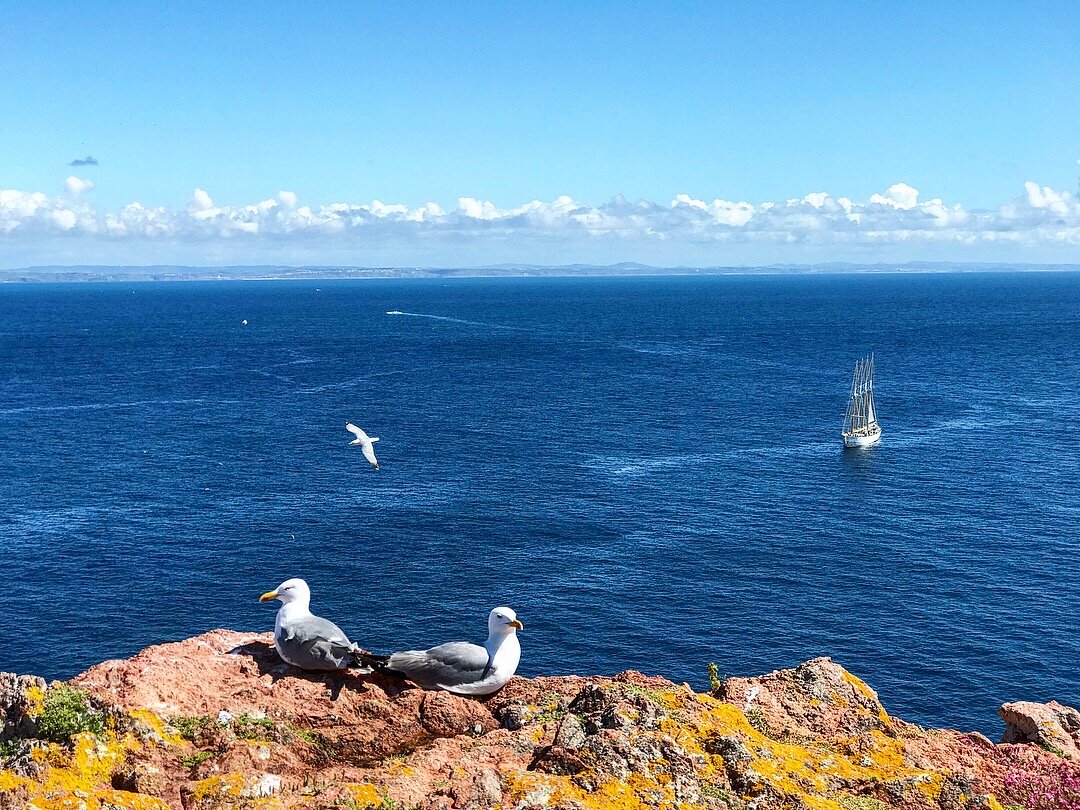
[{"x": 164, "y": 272}]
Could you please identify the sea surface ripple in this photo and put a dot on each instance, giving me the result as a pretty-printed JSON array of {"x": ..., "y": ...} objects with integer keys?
[{"x": 648, "y": 470}]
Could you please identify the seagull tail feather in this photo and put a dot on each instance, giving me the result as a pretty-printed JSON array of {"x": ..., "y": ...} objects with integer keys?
[{"x": 370, "y": 661}]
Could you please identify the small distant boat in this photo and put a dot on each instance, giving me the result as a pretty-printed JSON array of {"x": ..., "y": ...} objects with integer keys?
[{"x": 861, "y": 428}]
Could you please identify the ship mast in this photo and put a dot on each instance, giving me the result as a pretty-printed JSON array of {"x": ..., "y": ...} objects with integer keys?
[
  {"x": 861, "y": 426},
  {"x": 861, "y": 413},
  {"x": 871, "y": 412}
]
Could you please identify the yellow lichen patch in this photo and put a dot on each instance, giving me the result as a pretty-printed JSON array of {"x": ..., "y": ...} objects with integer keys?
[
  {"x": 80, "y": 777},
  {"x": 364, "y": 796},
  {"x": 157, "y": 725},
  {"x": 10, "y": 781},
  {"x": 809, "y": 774},
  {"x": 396, "y": 766},
  {"x": 35, "y": 701},
  {"x": 669, "y": 700},
  {"x": 220, "y": 786},
  {"x": 866, "y": 692},
  {"x": 636, "y": 792}
]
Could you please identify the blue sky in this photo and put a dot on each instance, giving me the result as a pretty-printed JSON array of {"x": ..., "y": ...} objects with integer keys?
[{"x": 505, "y": 104}]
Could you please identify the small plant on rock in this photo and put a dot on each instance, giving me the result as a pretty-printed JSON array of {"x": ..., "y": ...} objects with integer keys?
[
  {"x": 1058, "y": 789},
  {"x": 67, "y": 712},
  {"x": 189, "y": 727},
  {"x": 10, "y": 749},
  {"x": 714, "y": 677}
]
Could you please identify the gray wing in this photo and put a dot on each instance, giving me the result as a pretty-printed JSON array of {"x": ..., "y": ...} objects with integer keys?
[
  {"x": 450, "y": 664},
  {"x": 315, "y": 643}
]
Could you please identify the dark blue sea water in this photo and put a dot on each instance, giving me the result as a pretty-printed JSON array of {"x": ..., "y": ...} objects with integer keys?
[{"x": 649, "y": 470}]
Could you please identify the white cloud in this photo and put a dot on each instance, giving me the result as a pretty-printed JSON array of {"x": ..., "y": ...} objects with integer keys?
[
  {"x": 77, "y": 186},
  {"x": 899, "y": 195},
  {"x": 1047, "y": 198},
  {"x": 818, "y": 221}
]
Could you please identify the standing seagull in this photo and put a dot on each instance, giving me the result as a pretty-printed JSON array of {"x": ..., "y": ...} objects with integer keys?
[
  {"x": 305, "y": 640},
  {"x": 461, "y": 667},
  {"x": 366, "y": 443}
]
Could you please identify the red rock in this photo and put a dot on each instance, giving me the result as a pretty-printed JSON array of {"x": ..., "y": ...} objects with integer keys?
[
  {"x": 792, "y": 738},
  {"x": 1049, "y": 725}
]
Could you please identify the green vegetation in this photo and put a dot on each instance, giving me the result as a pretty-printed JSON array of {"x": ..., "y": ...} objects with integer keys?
[
  {"x": 549, "y": 714},
  {"x": 554, "y": 708},
  {"x": 861, "y": 803},
  {"x": 189, "y": 727},
  {"x": 386, "y": 804},
  {"x": 66, "y": 712},
  {"x": 651, "y": 695},
  {"x": 197, "y": 758},
  {"x": 390, "y": 804},
  {"x": 325, "y": 748},
  {"x": 756, "y": 718},
  {"x": 247, "y": 727},
  {"x": 9, "y": 749},
  {"x": 714, "y": 790},
  {"x": 714, "y": 677},
  {"x": 1045, "y": 746}
]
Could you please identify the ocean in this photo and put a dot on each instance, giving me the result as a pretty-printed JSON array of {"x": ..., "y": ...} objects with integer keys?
[{"x": 649, "y": 470}]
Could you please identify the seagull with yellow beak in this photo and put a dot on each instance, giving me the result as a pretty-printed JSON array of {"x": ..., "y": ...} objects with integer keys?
[
  {"x": 308, "y": 641},
  {"x": 461, "y": 667}
]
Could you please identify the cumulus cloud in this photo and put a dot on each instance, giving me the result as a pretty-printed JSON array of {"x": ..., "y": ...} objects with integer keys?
[
  {"x": 1038, "y": 217},
  {"x": 77, "y": 186},
  {"x": 89, "y": 160}
]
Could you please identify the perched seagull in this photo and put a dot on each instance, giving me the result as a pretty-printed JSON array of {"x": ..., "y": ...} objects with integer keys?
[
  {"x": 305, "y": 640},
  {"x": 366, "y": 443},
  {"x": 461, "y": 667}
]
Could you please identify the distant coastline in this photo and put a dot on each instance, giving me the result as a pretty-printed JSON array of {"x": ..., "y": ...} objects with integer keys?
[{"x": 104, "y": 273}]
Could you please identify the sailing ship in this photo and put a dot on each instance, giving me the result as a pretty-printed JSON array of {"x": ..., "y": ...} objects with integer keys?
[{"x": 861, "y": 428}]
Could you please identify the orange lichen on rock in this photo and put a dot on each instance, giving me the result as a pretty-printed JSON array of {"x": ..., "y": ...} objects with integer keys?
[
  {"x": 635, "y": 792},
  {"x": 79, "y": 776},
  {"x": 35, "y": 701},
  {"x": 161, "y": 733},
  {"x": 365, "y": 796},
  {"x": 229, "y": 785}
]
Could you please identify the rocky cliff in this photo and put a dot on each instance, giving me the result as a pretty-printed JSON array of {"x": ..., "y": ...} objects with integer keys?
[{"x": 217, "y": 721}]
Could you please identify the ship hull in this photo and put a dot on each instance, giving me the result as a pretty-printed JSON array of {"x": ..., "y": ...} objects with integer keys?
[{"x": 862, "y": 439}]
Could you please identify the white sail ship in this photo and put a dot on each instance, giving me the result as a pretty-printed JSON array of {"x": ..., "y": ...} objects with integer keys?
[{"x": 861, "y": 428}]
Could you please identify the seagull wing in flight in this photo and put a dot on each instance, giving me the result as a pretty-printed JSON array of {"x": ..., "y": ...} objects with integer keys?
[{"x": 365, "y": 442}]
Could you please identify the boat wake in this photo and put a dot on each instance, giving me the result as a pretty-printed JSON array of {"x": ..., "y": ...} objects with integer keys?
[
  {"x": 107, "y": 406},
  {"x": 622, "y": 465},
  {"x": 456, "y": 320},
  {"x": 350, "y": 383}
]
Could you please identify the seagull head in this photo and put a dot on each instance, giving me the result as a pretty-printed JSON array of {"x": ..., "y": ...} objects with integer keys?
[
  {"x": 291, "y": 590},
  {"x": 503, "y": 621}
]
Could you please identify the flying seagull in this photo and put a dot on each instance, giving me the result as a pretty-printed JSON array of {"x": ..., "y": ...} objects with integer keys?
[
  {"x": 461, "y": 667},
  {"x": 305, "y": 640},
  {"x": 366, "y": 443}
]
